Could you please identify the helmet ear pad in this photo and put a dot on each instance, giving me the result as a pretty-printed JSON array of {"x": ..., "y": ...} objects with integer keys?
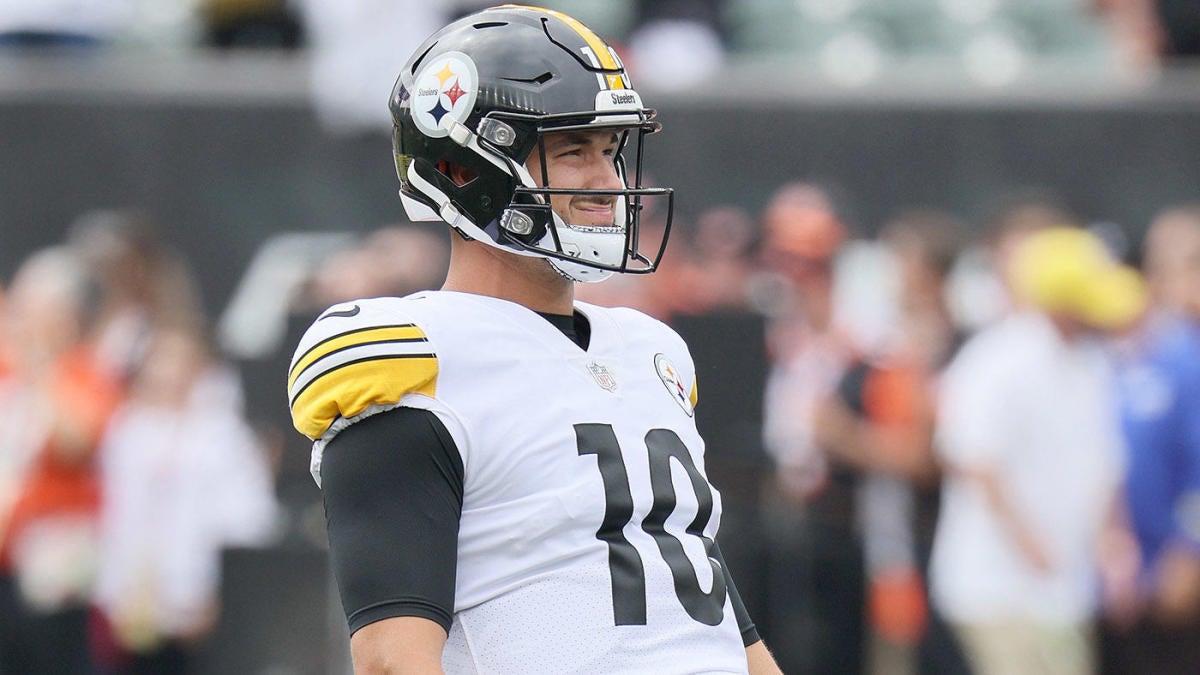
[
  {"x": 490, "y": 190},
  {"x": 480, "y": 200}
]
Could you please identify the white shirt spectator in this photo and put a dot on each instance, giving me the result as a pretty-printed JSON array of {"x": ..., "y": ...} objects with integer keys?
[
  {"x": 179, "y": 486},
  {"x": 358, "y": 46},
  {"x": 1038, "y": 412}
]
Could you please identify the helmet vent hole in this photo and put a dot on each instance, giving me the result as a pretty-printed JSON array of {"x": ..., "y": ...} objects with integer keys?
[
  {"x": 540, "y": 79},
  {"x": 490, "y": 24}
]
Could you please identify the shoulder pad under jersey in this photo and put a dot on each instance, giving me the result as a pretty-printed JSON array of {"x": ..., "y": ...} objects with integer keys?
[{"x": 355, "y": 356}]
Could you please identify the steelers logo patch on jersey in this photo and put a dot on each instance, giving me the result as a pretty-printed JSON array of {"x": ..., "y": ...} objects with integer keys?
[
  {"x": 684, "y": 396},
  {"x": 443, "y": 93}
]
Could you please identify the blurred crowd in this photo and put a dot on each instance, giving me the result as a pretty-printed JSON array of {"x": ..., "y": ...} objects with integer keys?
[
  {"x": 974, "y": 449},
  {"x": 978, "y": 443},
  {"x": 128, "y": 465},
  {"x": 355, "y": 47},
  {"x": 983, "y": 441},
  {"x": 984, "y": 450}
]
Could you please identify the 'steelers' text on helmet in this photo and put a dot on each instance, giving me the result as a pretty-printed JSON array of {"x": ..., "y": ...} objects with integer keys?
[{"x": 479, "y": 94}]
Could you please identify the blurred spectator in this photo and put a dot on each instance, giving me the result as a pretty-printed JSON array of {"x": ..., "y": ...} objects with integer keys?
[
  {"x": 55, "y": 403},
  {"x": 1022, "y": 215},
  {"x": 815, "y": 616},
  {"x": 183, "y": 477},
  {"x": 802, "y": 236},
  {"x": 720, "y": 266},
  {"x": 1180, "y": 20},
  {"x": 879, "y": 425},
  {"x": 1027, "y": 432},
  {"x": 62, "y": 23},
  {"x": 1152, "y": 31},
  {"x": 981, "y": 293},
  {"x": 357, "y": 48},
  {"x": 139, "y": 285},
  {"x": 394, "y": 261},
  {"x": 1136, "y": 30},
  {"x": 1154, "y": 574},
  {"x": 682, "y": 38},
  {"x": 251, "y": 23}
]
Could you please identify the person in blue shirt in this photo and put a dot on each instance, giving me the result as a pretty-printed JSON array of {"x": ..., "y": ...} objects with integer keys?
[{"x": 1154, "y": 572}]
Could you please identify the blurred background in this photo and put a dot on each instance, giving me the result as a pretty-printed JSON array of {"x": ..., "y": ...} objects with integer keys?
[{"x": 186, "y": 184}]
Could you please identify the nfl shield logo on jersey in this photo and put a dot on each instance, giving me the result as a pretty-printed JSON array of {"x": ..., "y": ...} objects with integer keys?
[{"x": 603, "y": 377}]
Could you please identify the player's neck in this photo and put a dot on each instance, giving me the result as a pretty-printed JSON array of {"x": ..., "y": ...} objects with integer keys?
[{"x": 482, "y": 270}]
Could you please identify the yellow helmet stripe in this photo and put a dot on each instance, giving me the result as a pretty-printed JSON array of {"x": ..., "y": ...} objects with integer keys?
[{"x": 598, "y": 46}]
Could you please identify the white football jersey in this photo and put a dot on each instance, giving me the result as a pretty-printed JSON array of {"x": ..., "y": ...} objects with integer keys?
[{"x": 587, "y": 517}]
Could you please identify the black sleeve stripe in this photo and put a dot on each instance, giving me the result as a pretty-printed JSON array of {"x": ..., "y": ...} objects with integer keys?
[
  {"x": 292, "y": 402},
  {"x": 363, "y": 329}
]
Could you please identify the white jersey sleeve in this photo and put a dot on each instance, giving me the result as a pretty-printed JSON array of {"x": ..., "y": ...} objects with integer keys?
[{"x": 358, "y": 359}]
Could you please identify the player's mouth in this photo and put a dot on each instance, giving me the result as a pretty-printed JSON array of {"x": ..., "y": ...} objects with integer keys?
[{"x": 594, "y": 211}]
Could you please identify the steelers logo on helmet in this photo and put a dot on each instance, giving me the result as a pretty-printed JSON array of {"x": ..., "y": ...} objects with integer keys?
[{"x": 443, "y": 92}]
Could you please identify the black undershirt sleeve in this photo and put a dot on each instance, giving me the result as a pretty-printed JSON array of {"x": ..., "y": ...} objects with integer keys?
[
  {"x": 745, "y": 623},
  {"x": 393, "y": 488}
]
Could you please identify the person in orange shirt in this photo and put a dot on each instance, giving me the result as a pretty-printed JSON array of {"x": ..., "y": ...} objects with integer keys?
[
  {"x": 57, "y": 402},
  {"x": 878, "y": 426}
]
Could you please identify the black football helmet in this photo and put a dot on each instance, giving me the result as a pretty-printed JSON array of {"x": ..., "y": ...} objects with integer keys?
[{"x": 479, "y": 94}]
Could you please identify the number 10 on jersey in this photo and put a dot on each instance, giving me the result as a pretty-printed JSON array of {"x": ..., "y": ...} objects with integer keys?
[{"x": 624, "y": 562}]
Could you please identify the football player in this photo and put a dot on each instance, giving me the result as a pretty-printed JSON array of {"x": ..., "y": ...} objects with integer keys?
[{"x": 513, "y": 481}]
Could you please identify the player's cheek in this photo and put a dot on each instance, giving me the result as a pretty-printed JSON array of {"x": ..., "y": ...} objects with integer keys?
[{"x": 561, "y": 205}]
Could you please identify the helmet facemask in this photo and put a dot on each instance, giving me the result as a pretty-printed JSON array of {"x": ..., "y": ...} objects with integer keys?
[{"x": 585, "y": 251}]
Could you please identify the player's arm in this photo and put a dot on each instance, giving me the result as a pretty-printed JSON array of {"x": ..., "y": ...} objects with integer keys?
[
  {"x": 392, "y": 487},
  {"x": 403, "y": 644},
  {"x": 760, "y": 661},
  {"x": 758, "y": 658}
]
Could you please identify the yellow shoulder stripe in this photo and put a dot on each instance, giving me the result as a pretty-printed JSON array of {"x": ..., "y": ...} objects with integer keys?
[
  {"x": 349, "y": 389},
  {"x": 354, "y": 338}
]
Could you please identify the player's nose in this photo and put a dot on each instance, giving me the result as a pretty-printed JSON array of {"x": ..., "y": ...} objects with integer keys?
[{"x": 604, "y": 175}]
